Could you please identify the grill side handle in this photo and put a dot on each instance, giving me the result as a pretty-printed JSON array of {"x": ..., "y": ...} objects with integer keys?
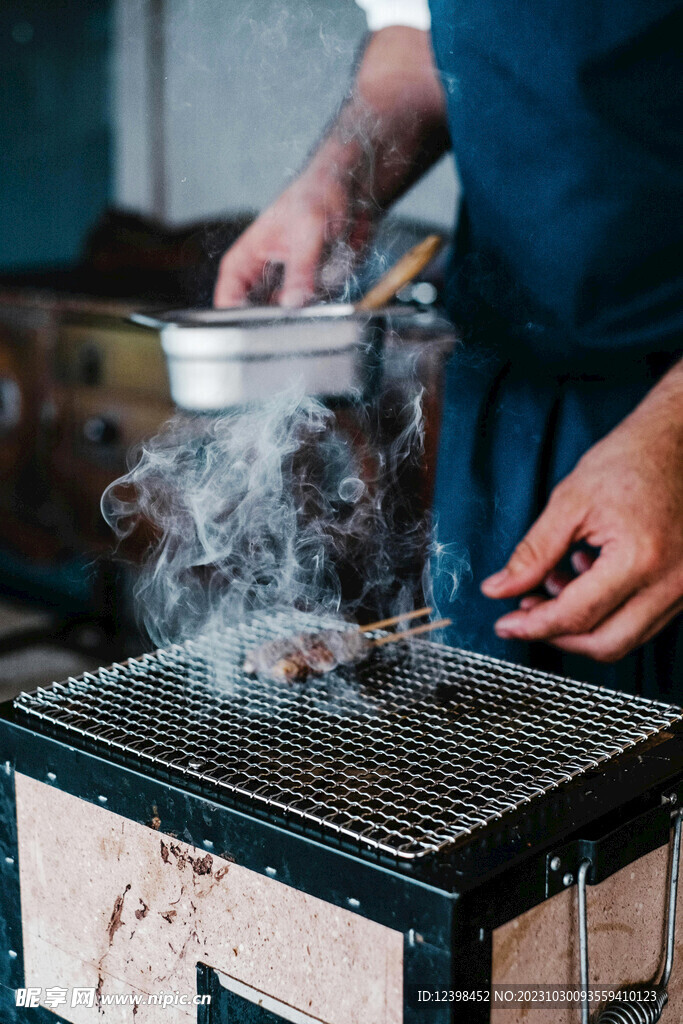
[
  {"x": 627, "y": 1008},
  {"x": 612, "y": 851}
]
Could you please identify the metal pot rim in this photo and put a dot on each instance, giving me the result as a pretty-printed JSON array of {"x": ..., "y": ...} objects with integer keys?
[{"x": 247, "y": 316}]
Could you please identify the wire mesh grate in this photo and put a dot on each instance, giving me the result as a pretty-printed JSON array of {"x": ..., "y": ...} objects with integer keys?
[{"x": 406, "y": 753}]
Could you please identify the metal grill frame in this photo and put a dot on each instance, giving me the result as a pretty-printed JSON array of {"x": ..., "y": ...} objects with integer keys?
[{"x": 402, "y": 694}]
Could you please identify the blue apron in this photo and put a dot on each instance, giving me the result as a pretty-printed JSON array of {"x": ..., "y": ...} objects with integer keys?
[{"x": 567, "y": 275}]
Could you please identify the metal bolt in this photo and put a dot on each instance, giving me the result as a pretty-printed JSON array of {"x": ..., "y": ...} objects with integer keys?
[
  {"x": 568, "y": 879},
  {"x": 102, "y": 799},
  {"x": 51, "y": 776},
  {"x": 9, "y": 860},
  {"x": 207, "y": 843},
  {"x": 352, "y": 901},
  {"x": 555, "y": 864},
  {"x": 271, "y": 871},
  {"x": 12, "y": 954}
]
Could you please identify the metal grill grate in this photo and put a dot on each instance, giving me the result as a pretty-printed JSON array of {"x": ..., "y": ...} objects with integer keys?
[{"x": 406, "y": 754}]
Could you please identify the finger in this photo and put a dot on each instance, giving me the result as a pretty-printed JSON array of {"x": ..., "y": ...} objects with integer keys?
[
  {"x": 581, "y": 561},
  {"x": 579, "y": 607},
  {"x": 530, "y": 601},
  {"x": 539, "y": 551},
  {"x": 301, "y": 269},
  {"x": 360, "y": 232},
  {"x": 636, "y": 622},
  {"x": 556, "y": 581},
  {"x": 240, "y": 269}
]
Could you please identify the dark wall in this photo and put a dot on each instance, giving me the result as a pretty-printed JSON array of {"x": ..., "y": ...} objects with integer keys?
[{"x": 55, "y": 133}]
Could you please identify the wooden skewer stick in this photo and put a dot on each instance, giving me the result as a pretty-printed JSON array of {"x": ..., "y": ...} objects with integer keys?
[
  {"x": 408, "y": 267},
  {"x": 417, "y": 614},
  {"x": 415, "y": 631}
]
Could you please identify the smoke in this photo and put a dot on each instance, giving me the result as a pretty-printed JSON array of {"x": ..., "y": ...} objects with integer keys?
[{"x": 288, "y": 505}]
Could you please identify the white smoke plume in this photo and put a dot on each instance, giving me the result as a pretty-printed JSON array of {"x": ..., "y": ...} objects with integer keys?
[{"x": 285, "y": 505}]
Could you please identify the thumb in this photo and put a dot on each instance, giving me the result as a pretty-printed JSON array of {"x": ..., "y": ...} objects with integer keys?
[{"x": 538, "y": 552}]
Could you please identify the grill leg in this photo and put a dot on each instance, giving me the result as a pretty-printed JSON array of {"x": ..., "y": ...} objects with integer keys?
[{"x": 471, "y": 971}]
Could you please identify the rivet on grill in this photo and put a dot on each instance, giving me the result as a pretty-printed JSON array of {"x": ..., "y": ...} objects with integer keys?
[
  {"x": 271, "y": 871},
  {"x": 555, "y": 864},
  {"x": 568, "y": 879},
  {"x": 12, "y": 955},
  {"x": 207, "y": 843},
  {"x": 102, "y": 799},
  {"x": 352, "y": 901},
  {"x": 51, "y": 776},
  {"x": 9, "y": 860}
]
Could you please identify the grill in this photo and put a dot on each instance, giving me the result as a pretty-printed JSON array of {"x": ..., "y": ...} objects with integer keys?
[{"x": 407, "y": 754}]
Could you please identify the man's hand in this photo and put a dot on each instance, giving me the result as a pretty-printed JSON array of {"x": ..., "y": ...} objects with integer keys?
[
  {"x": 389, "y": 131},
  {"x": 296, "y": 233},
  {"x": 625, "y": 498}
]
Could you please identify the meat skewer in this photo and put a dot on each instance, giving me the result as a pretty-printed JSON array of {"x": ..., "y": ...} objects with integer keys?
[
  {"x": 293, "y": 659},
  {"x": 417, "y": 613},
  {"x": 415, "y": 631},
  {"x": 316, "y": 653}
]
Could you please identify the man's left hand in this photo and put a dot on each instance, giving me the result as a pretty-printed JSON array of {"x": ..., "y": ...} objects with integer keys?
[{"x": 624, "y": 498}]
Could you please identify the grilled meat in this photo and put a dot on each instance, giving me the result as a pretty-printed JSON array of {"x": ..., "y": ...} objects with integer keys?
[{"x": 293, "y": 659}]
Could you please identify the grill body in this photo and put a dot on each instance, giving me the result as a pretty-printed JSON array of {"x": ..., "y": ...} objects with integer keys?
[{"x": 429, "y": 794}]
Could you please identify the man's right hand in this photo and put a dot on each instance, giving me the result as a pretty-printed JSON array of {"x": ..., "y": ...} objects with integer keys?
[
  {"x": 390, "y": 130},
  {"x": 294, "y": 235}
]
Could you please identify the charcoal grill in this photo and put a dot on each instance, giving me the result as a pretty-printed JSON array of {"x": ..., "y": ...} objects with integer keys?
[{"x": 436, "y": 793}]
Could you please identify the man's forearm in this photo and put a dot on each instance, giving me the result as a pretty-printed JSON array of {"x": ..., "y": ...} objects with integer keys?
[
  {"x": 392, "y": 127},
  {"x": 388, "y": 132}
]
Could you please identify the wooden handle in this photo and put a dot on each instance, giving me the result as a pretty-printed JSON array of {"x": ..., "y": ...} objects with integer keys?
[{"x": 408, "y": 267}]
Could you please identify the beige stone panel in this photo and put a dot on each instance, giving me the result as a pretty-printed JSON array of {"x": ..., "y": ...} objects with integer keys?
[
  {"x": 344, "y": 979},
  {"x": 626, "y": 920},
  {"x": 44, "y": 961},
  {"x": 141, "y": 908}
]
